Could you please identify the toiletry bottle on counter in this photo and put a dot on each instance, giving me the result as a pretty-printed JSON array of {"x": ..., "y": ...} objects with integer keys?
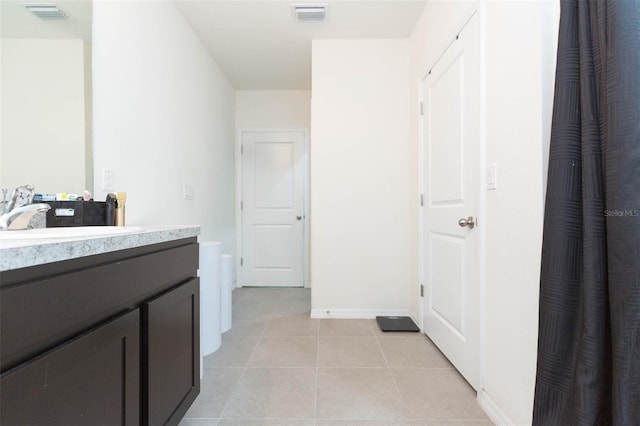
[
  {"x": 114, "y": 211},
  {"x": 110, "y": 209},
  {"x": 121, "y": 199}
]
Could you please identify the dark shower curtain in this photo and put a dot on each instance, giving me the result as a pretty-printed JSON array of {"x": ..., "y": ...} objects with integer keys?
[{"x": 589, "y": 330}]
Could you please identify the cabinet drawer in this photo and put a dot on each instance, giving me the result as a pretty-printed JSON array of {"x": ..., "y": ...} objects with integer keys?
[
  {"x": 91, "y": 380},
  {"x": 40, "y": 314}
]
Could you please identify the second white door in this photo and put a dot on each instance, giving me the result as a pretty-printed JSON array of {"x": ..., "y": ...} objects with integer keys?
[
  {"x": 273, "y": 165},
  {"x": 450, "y": 162}
]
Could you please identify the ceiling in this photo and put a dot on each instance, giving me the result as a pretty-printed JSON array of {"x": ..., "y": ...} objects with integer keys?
[
  {"x": 257, "y": 43},
  {"x": 259, "y": 46},
  {"x": 17, "y": 22}
]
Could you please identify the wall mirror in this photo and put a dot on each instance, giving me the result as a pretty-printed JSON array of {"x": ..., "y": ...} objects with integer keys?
[{"x": 46, "y": 95}]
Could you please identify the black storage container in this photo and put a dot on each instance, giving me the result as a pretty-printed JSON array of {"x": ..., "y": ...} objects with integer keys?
[{"x": 76, "y": 213}]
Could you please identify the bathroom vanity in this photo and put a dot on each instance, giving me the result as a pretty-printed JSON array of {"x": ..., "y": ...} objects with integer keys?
[{"x": 99, "y": 330}]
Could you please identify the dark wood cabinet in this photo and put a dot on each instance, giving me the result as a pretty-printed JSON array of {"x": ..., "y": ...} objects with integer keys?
[
  {"x": 171, "y": 349},
  {"x": 92, "y": 379},
  {"x": 110, "y": 339}
]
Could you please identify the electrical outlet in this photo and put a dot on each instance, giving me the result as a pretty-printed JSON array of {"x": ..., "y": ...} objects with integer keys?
[
  {"x": 492, "y": 176},
  {"x": 187, "y": 192},
  {"x": 107, "y": 179}
]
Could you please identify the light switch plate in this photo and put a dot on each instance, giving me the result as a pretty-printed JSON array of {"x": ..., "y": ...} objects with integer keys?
[
  {"x": 492, "y": 176},
  {"x": 107, "y": 179},
  {"x": 187, "y": 192}
]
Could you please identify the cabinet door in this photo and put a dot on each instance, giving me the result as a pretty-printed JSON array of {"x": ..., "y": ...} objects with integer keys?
[
  {"x": 171, "y": 353},
  {"x": 90, "y": 380}
]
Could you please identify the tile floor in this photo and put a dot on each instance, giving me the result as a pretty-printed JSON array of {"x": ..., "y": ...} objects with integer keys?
[{"x": 276, "y": 366}]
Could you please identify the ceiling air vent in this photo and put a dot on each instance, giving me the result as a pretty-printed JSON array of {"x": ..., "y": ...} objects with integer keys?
[
  {"x": 309, "y": 12},
  {"x": 46, "y": 11}
]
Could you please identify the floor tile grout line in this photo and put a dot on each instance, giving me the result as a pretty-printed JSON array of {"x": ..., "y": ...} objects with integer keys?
[
  {"x": 405, "y": 409},
  {"x": 386, "y": 362},
  {"x": 267, "y": 418},
  {"x": 361, "y": 419},
  {"x": 226, "y": 404},
  {"x": 244, "y": 369}
]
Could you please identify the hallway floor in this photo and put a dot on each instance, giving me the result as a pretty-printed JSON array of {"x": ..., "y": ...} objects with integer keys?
[{"x": 276, "y": 366}]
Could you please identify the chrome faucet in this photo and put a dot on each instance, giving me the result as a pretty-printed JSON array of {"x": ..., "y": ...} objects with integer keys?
[{"x": 19, "y": 210}]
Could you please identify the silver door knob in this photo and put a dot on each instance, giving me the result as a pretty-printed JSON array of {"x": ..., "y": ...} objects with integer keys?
[
  {"x": 298, "y": 217},
  {"x": 469, "y": 222}
]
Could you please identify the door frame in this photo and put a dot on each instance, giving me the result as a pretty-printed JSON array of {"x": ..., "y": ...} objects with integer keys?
[
  {"x": 479, "y": 12},
  {"x": 239, "y": 193}
]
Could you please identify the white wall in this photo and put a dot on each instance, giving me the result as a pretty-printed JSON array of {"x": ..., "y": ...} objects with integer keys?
[
  {"x": 359, "y": 177},
  {"x": 163, "y": 117},
  {"x": 516, "y": 70},
  {"x": 273, "y": 108},
  {"x": 43, "y": 114},
  {"x": 516, "y": 116}
]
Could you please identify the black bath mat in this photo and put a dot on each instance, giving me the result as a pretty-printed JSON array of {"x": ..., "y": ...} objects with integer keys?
[{"x": 397, "y": 324}]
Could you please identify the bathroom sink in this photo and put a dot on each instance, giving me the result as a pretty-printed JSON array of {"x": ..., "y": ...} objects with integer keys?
[{"x": 71, "y": 232}]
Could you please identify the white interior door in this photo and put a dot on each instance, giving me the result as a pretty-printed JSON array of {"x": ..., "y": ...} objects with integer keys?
[
  {"x": 450, "y": 183},
  {"x": 273, "y": 208}
]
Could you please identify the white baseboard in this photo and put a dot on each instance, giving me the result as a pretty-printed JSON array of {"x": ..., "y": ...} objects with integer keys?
[
  {"x": 495, "y": 413},
  {"x": 356, "y": 313}
]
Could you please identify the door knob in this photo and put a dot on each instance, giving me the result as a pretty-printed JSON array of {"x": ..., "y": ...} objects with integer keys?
[
  {"x": 469, "y": 222},
  {"x": 299, "y": 217}
]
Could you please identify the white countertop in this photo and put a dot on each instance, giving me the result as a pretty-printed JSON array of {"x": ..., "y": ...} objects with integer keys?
[{"x": 21, "y": 253}]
